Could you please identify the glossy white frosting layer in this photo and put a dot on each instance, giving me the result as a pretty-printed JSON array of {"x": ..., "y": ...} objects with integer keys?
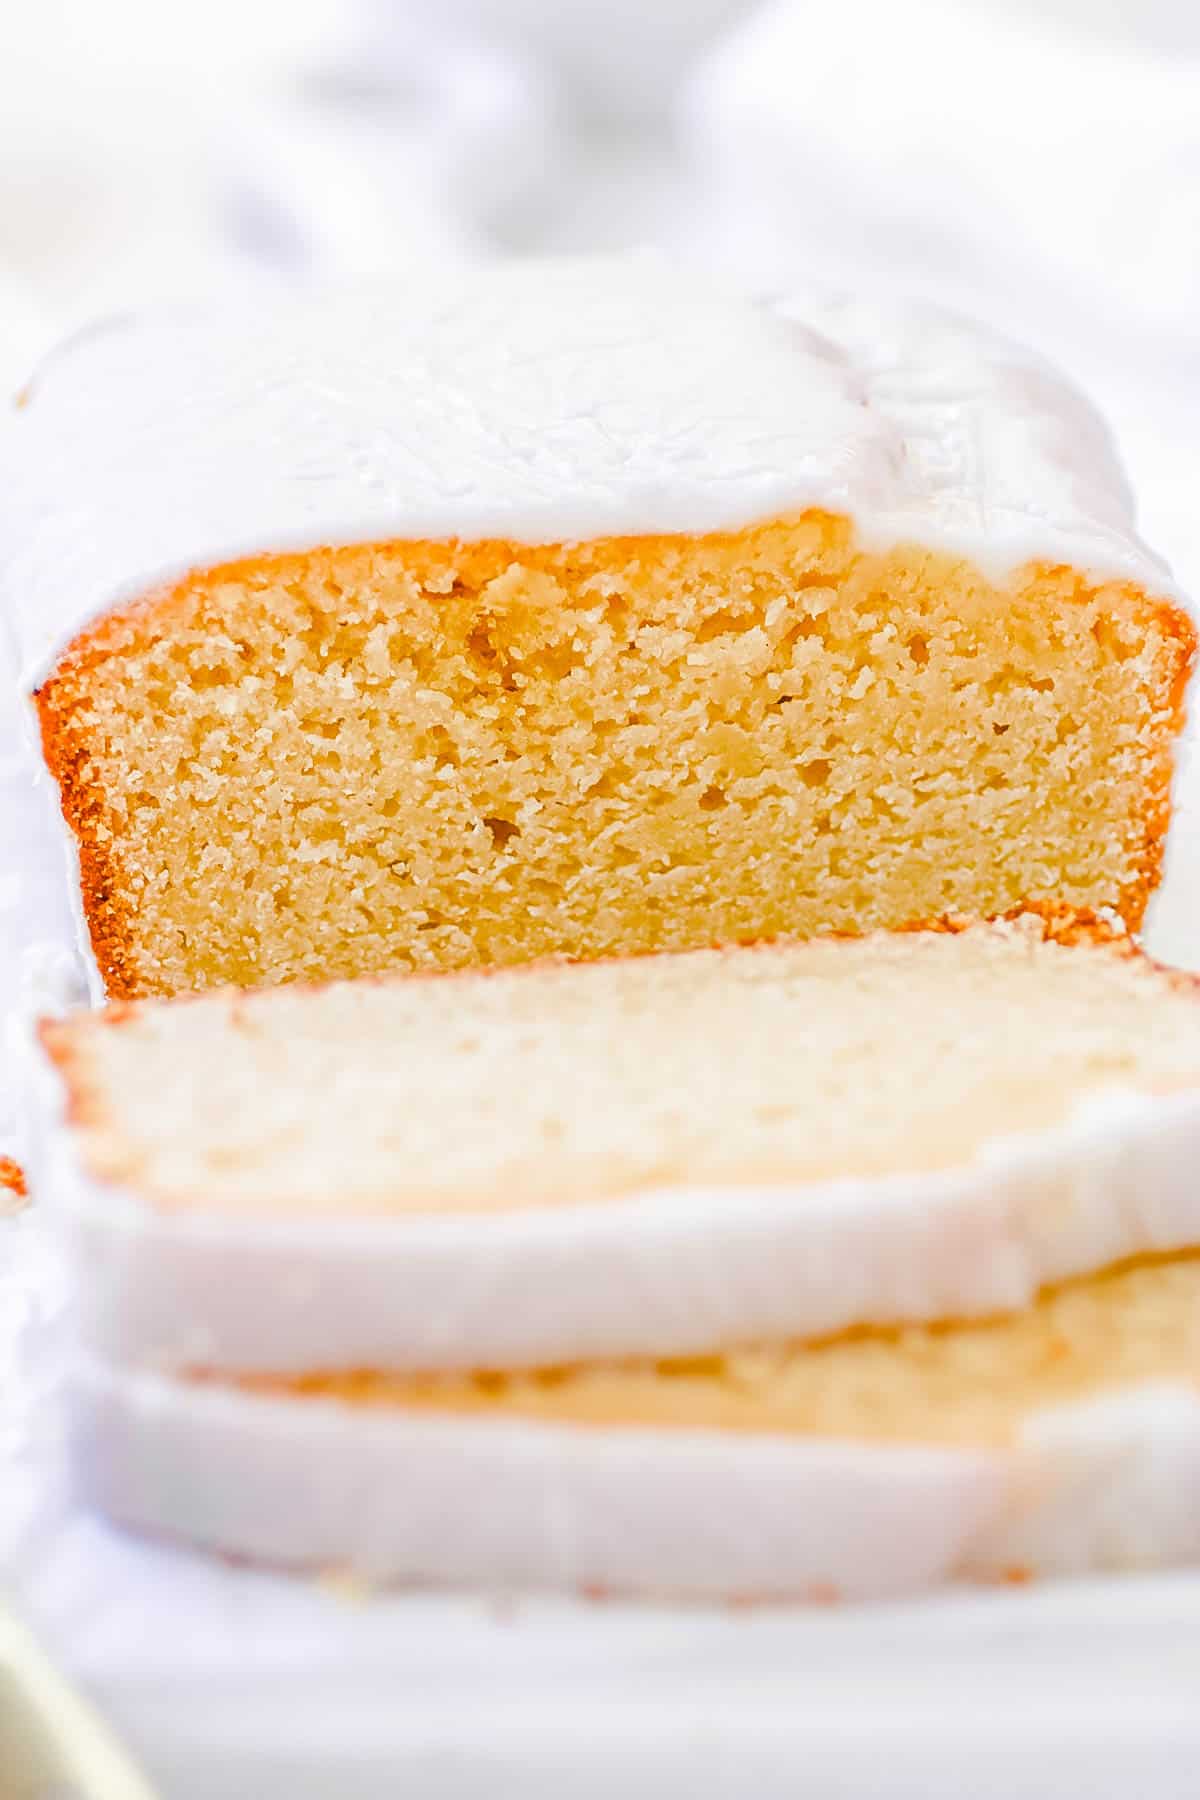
[
  {"x": 389, "y": 1496},
  {"x": 661, "y": 1272},
  {"x": 537, "y": 401}
]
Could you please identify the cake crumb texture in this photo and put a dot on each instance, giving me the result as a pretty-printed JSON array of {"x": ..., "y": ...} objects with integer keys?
[{"x": 433, "y": 755}]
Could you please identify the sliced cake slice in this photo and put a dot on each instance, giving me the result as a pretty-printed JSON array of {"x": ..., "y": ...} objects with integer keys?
[
  {"x": 579, "y": 609},
  {"x": 1062, "y": 1439},
  {"x": 649, "y": 1156}
]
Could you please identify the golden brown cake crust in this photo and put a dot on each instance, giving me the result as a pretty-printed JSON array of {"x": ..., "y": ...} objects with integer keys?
[
  {"x": 1177, "y": 626},
  {"x": 108, "y": 897},
  {"x": 105, "y": 909},
  {"x": 12, "y": 1184}
]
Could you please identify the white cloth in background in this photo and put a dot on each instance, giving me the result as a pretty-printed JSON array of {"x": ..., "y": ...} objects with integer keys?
[
  {"x": 443, "y": 149},
  {"x": 151, "y": 154},
  {"x": 619, "y": 60},
  {"x": 119, "y": 143},
  {"x": 1042, "y": 177},
  {"x": 23, "y": 334},
  {"x": 977, "y": 152}
]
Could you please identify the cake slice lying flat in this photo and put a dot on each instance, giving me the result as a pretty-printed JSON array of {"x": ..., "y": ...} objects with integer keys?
[
  {"x": 1062, "y": 1439},
  {"x": 578, "y": 609},
  {"x": 650, "y": 1156}
]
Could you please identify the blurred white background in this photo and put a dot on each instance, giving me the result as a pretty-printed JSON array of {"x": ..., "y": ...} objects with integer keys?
[{"x": 1036, "y": 162}]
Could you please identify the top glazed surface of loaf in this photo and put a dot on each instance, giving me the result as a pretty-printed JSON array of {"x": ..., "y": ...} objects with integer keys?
[{"x": 535, "y": 402}]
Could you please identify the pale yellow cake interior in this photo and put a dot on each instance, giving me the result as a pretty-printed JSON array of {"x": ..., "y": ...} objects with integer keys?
[
  {"x": 955, "y": 1383},
  {"x": 777, "y": 1064},
  {"x": 439, "y": 755}
]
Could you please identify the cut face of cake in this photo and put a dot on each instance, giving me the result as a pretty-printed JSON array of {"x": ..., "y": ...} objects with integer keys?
[
  {"x": 585, "y": 611},
  {"x": 848, "y": 1264}
]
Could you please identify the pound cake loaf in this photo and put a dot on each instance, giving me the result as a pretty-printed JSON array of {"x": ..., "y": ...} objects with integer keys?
[
  {"x": 578, "y": 609},
  {"x": 757, "y": 1268}
]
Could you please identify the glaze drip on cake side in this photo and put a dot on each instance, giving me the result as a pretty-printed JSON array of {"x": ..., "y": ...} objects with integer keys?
[{"x": 544, "y": 402}]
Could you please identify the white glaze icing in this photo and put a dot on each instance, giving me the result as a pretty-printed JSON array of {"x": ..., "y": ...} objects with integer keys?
[
  {"x": 538, "y": 402},
  {"x": 510, "y": 1503},
  {"x": 1111, "y": 1482},
  {"x": 662, "y": 1272},
  {"x": 1107, "y": 1483}
]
